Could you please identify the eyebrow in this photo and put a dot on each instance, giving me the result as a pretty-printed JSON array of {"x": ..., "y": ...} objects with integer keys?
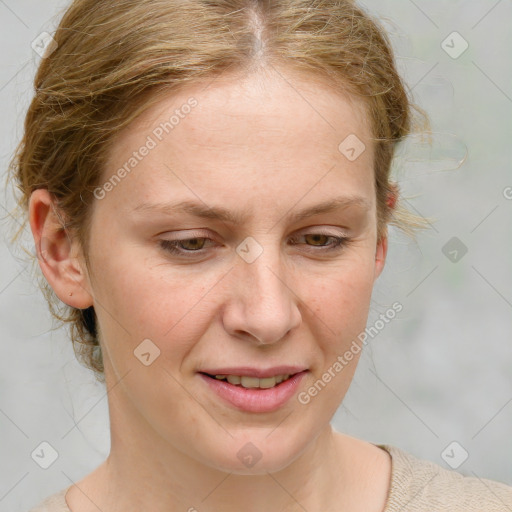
[{"x": 220, "y": 213}]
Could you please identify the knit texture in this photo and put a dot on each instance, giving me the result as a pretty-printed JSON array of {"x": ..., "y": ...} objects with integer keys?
[{"x": 416, "y": 486}]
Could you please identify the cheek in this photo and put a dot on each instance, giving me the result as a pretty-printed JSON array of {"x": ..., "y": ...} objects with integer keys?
[
  {"x": 338, "y": 311},
  {"x": 135, "y": 301},
  {"x": 341, "y": 302}
]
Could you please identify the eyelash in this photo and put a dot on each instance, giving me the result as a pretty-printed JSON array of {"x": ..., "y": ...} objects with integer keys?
[{"x": 172, "y": 246}]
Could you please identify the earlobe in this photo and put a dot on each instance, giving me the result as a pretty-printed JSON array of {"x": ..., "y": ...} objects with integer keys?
[
  {"x": 57, "y": 252},
  {"x": 380, "y": 255}
]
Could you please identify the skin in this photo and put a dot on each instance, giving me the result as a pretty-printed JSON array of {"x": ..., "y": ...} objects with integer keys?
[{"x": 264, "y": 145}]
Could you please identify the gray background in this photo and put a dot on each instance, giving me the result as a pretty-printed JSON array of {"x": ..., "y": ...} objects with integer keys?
[{"x": 439, "y": 372}]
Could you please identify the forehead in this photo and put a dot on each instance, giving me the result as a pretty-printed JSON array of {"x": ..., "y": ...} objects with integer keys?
[
  {"x": 247, "y": 131},
  {"x": 272, "y": 99}
]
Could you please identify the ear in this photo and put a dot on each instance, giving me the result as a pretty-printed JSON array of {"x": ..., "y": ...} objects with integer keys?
[
  {"x": 380, "y": 255},
  {"x": 57, "y": 253},
  {"x": 382, "y": 244}
]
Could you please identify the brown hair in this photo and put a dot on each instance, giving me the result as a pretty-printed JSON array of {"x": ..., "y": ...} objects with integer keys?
[{"x": 112, "y": 58}]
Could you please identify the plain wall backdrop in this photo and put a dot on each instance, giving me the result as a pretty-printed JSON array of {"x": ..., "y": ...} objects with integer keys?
[{"x": 436, "y": 380}]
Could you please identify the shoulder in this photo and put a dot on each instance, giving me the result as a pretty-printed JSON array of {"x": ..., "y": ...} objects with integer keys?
[
  {"x": 54, "y": 503},
  {"x": 419, "y": 486}
]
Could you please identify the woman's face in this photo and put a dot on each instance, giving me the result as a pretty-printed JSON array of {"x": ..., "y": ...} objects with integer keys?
[{"x": 242, "y": 240}]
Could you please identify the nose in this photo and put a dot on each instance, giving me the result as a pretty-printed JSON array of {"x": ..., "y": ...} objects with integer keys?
[{"x": 263, "y": 306}]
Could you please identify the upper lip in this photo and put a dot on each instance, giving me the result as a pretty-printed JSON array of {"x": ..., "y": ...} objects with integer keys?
[{"x": 260, "y": 373}]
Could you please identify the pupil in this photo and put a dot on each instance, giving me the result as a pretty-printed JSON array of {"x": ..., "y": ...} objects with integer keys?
[
  {"x": 317, "y": 239},
  {"x": 195, "y": 243}
]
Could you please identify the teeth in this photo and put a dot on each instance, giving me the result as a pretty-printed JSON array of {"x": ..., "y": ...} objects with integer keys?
[
  {"x": 268, "y": 382},
  {"x": 250, "y": 382},
  {"x": 253, "y": 382},
  {"x": 234, "y": 379}
]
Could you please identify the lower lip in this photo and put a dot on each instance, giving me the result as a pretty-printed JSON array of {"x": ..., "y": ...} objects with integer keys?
[{"x": 256, "y": 399}]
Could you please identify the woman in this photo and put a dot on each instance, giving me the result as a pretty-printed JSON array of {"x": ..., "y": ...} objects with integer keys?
[{"x": 207, "y": 184}]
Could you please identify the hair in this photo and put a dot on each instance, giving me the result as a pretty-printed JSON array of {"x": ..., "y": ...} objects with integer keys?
[{"x": 113, "y": 59}]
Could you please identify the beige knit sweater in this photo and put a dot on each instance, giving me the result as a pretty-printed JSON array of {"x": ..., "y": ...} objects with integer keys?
[{"x": 416, "y": 486}]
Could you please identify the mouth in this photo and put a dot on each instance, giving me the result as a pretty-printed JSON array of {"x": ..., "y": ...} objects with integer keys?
[
  {"x": 253, "y": 391},
  {"x": 247, "y": 382}
]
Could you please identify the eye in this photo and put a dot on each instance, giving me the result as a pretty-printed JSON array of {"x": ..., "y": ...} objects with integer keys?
[
  {"x": 322, "y": 241},
  {"x": 317, "y": 239},
  {"x": 190, "y": 245}
]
